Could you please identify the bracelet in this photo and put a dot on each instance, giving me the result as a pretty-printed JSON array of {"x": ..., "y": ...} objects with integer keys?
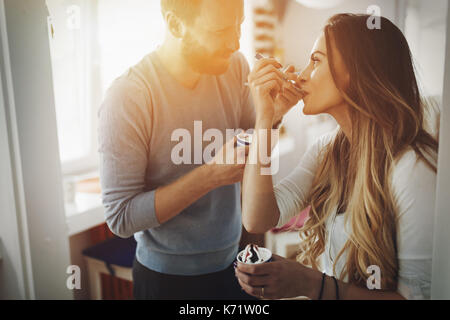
[
  {"x": 321, "y": 287},
  {"x": 337, "y": 288}
]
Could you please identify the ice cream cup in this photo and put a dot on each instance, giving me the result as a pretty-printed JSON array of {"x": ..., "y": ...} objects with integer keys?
[{"x": 265, "y": 253}]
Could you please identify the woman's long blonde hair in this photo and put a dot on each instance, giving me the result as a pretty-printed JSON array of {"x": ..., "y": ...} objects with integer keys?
[{"x": 387, "y": 115}]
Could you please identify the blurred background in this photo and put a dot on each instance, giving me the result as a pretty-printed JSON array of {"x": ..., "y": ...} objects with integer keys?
[{"x": 92, "y": 42}]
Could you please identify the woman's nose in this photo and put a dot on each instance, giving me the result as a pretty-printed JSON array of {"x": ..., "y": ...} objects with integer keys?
[{"x": 303, "y": 76}]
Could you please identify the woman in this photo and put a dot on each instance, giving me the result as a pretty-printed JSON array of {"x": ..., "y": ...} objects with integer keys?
[{"x": 370, "y": 184}]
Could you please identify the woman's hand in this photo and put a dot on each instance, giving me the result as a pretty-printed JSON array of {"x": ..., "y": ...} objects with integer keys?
[
  {"x": 281, "y": 278},
  {"x": 265, "y": 82},
  {"x": 289, "y": 96}
]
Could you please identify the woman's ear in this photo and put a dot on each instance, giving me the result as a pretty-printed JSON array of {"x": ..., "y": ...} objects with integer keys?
[{"x": 175, "y": 25}]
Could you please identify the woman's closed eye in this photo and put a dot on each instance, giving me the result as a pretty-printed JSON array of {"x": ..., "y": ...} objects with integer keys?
[{"x": 315, "y": 60}]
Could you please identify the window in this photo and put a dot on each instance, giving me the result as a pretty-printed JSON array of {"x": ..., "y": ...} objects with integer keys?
[
  {"x": 71, "y": 47},
  {"x": 92, "y": 43}
]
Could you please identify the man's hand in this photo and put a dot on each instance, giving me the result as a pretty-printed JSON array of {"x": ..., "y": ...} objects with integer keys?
[{"x": 227, "y": 167}]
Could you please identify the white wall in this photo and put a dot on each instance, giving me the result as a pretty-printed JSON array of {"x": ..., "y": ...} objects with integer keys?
[
  {"x": 440, "y": 288},
  {"x": 425, "y": 29},
  {"x": 12, "y": 277},
  {"x": 15, "y": 265},
  {"x": 37, "y": 169}
]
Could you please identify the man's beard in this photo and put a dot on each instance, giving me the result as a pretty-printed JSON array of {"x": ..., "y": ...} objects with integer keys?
[{"x": 201, "y": 60}]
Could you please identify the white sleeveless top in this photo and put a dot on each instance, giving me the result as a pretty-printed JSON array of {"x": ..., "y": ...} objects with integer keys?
[{"x": 414, "y": 185}]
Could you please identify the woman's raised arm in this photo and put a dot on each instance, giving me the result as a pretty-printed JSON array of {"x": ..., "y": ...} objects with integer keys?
[{"x": 259, "y": 206}]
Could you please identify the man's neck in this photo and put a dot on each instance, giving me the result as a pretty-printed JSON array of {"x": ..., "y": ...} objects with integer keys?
[{"x": 174, "y": 62}]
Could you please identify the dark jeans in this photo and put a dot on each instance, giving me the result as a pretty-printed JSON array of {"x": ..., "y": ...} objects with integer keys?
[{"x": 152, "y": 285}]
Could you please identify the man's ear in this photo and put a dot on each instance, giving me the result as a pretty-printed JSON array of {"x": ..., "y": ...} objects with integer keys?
[{"x": 175, "y": 25}]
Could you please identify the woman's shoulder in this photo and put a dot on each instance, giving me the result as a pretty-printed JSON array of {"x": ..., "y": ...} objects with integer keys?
[
  {"x": 314, "y": 153},
  {"x": 413, "y": 184},
  {"x": 410, "y": 166},
  {"x": 324, "y": 140},
  {"x": 414, "y": 189}
]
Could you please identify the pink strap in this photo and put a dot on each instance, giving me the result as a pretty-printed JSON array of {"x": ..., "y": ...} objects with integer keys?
[{"x": 295, "y": 223}]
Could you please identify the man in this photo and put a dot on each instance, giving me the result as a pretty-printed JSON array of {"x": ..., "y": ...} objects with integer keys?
[{"x": 185, "y": 217}]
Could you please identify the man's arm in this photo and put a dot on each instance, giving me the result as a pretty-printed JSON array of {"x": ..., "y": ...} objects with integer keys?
[{"x": 170, "y": 200}]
